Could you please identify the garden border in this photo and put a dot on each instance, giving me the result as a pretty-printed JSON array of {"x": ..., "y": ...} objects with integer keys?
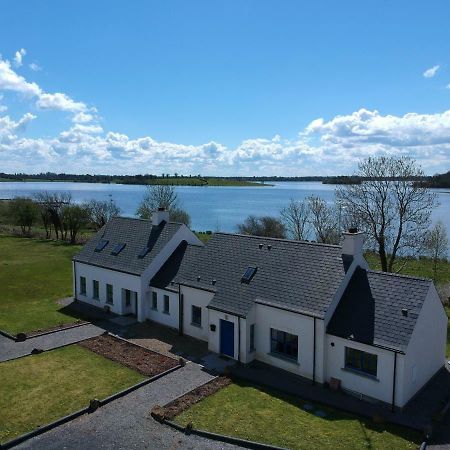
[{"x": 94, "y": 405}]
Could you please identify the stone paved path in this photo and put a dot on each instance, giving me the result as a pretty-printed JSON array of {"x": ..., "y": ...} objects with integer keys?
[
  {"x": 126, "y": 423},
  {"x": 10, "y": 349}
]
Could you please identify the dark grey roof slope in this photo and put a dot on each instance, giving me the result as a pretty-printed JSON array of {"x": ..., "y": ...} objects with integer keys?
[
  {"x": 136, "y": 234},
  {"x": 371, "y": 309},
  {"x": 298, "y": 275}
]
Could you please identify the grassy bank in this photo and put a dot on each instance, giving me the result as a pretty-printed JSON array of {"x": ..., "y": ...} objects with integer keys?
[
  {"x": 262, "y": 415},
  {"x": 34, "y": 274},
  {"x": 39, "y": 389}
]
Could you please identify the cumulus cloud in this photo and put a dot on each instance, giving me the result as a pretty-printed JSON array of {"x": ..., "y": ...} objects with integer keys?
[
  {"x": 18, "y": 57},
  {"x": 431, "y": 72},
  {"x": 12, "y": 81},
  {"x": 82, "y": 117},
  {"x": 9, "y": 128},
  {"x": 60, "y": 102}
]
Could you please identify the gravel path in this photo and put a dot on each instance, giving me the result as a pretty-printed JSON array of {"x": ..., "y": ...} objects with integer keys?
[
  {"x": 11, "y": 350},
  {"x": 126, "y": 423}
]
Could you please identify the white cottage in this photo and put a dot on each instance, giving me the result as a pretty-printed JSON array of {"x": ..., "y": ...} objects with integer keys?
[{"x": 312, "y": 309}]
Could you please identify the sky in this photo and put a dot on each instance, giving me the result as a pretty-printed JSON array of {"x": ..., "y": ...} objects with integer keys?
[{"x": 236, "y": 87}]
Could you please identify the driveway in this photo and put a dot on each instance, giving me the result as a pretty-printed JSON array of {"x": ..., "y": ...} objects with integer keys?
[
  {"x": 126, "y": 423},
  {"x": 10, "y": 349}
]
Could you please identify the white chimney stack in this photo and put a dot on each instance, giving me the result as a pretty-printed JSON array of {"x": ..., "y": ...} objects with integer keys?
[
  {"x": 353, "y": 242},
  {"x": 159, "y": 216}
]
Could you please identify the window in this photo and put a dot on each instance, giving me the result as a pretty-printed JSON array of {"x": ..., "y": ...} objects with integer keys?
[
  {"x": 82, "y": 285},
  {"x": 248, "y": 275},
  {"x": 101, "y": 245},
  {"x": 127, "y": 297},
  {"x": 118, "y": 248},
  {"x": 154, "y": 300},
  {"x": 109, "y": 293},
  {"x": 252, "y": 337},
  {"x": 361, "y": 361},
  {"x": 196, "y": 316},
  {"x": 95, "y": 289},
  {"x": 166, "y": 304},
  {"x": 283, "y": 343}
]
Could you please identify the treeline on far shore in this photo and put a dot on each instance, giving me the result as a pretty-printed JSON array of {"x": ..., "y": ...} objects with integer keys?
[{"x": 434, "y": 181}]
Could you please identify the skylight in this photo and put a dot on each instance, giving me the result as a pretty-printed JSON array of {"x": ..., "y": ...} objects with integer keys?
[
  {"x": 144, "y": 252},
  {"x": 101, "y": 245},
  {"x": 118, "y": 248},
  {"x": 248, "y": 275}
]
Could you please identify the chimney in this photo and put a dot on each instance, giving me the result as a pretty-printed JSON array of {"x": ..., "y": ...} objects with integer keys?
[
  {"x": 159, "y": 216},
  {"x": 353, "y": 242}
]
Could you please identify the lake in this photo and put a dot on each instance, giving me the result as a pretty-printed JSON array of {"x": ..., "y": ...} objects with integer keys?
[{"x": 210, "y": 208}]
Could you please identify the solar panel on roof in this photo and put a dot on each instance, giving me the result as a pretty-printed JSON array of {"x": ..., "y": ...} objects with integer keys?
[
  {"x": 143, "y": 252},
  {"x": 101, "y": 245},
  {"x": 248, "y": 275},
  {"x": 118, "y": 248}
]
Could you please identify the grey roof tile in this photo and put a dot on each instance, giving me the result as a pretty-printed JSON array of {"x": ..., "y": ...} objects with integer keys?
[
  {"x": 371, "y": 309},
  {"x": 301, "y": 276},
  {"x": 136, "y": 234}
]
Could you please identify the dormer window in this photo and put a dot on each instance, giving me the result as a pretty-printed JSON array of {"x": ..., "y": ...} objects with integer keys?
[
  {"x": 101, "y": 245},
  {"x": 118, "y": 248},
  {"x": 248, "y": 275}
]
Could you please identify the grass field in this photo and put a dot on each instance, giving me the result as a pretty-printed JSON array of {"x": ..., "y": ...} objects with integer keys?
[
  {"x": 33, "y": 275},
  {"x": 261, "y": 415},
  {"x": 39, "y": 389}
]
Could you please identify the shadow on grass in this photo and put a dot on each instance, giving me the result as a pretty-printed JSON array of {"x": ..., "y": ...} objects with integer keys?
[{"x": 332, "y": 414}]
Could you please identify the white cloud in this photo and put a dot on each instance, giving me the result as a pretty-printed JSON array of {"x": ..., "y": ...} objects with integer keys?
[
  {"x": 448, "y": 86},
  {"x": 35, "y": 67},
  {"x": 60, "y": 102},
  {"x": 18, "y": 57},
  {"x": 9, "y": 128},
  {"x": 82, "y": 117},
  {"x": 431, "y": 72},
  {"x": 11, "y": 81}
]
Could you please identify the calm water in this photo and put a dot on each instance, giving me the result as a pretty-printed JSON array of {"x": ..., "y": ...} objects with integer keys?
[{"x": 211, "y": 208}]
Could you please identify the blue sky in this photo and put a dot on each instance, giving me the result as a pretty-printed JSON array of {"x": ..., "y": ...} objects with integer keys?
[{"x": 235, "y": 87}]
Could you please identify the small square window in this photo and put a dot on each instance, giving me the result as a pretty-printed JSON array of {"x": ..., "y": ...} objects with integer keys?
[
  {"x": 196, "y": 316},
  {"x": 109, "y": 294},
  {"x": 95, "y": 289},
  {"x": 154, "y": 300},
  {"x": 101, "y": 245},
  {"x": 82, "y": 285},
  {"x": 166, "y": 305}
]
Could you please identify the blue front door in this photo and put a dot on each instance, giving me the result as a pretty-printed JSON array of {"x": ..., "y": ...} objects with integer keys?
[{"x": 227, "y": 338}]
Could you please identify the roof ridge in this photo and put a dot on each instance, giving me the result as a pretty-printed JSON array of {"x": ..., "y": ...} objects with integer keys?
[
  {"x": 294, "y": 241},
  {"x": 399, "y": 275},
  {"x": 144, "y": 220}
]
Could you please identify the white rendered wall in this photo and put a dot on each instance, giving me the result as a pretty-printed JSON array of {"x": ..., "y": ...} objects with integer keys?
[
  {"x": 426, "y": 351},
  {"x": 172, "y": 318},
  {"x": 196, "y": 297},
  {"x": 302, "y": 326},
  {"x": 379, "y": 388},
  {"x": 118, "y": 280}
]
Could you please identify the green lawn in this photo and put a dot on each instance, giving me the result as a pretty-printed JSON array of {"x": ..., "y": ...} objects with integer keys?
[
  {"x": 39, "y": 389},
  {"x": 33, "y": 275},
  {"x": 265, "y": 416}
]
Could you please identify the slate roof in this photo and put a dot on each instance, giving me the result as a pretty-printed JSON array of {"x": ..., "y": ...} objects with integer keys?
[
  {"x": 371, "y": 309},
  {"x": 294, "y": 275},
  {"x": 136, "y": 234}
]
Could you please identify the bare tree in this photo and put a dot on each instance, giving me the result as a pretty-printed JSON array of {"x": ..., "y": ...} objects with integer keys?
[
  {"x": 392, "y": 209},
  {"x": 52, "y": 204},
  {"x": 157, "y": 196},
  {"x": 436, "y": 245},
  {"x": 262, "y": 226},
  {"x": 101, "y": 212},
  {"x": 73, "y": 218},
  {"x": 324, "y": 222},
  {"x": 24, "y": 212},
  {"x": 295, "y": 218}
]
